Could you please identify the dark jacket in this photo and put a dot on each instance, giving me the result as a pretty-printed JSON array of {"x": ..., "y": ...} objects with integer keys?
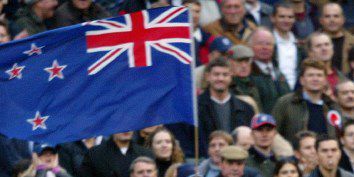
[
  {"x": 340, "y": 173},
  {"x": 265, "y": 13},
  {"x": 344, "y": 162},
  {"x": 67, "y": 14},
  {"x": 269, "y": 90},
  {"x": 71, "y": 156},
  {"x": 106, "y": 160},
  {"x": 61, "y": 173},
  {"x": 265, "y": 165},
  {"x": 29, "y": 21},
  {"x": 292, "y": 115},
  {"x": 241, "y": 114},
  {"x": 129, "y": 6},
  {"x": 248, "y": 172}
]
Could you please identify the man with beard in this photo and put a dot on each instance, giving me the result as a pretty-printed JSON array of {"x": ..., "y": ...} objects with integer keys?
[
  {"x": 218, "y": 108},
  {"x": 329, "y": 154},
  {"x": 113, "y": 157},
  {"x": 344, "y": 93}
]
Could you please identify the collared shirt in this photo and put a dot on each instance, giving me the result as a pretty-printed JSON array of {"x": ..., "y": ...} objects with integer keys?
[
  {"x": 308, "y": 98},
  {"x": 266, "y": 68},
  {"x": 287, "y": 57},
  {"x": 255, "y": 12},
  {"x": 198, "y": 34}
]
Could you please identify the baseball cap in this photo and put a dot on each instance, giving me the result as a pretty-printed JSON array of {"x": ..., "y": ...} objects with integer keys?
[
  {"x": 40, "y": 148},
  {"x": 240, "y": 52},
  {"x": 221, "y": 44},
  {"x": 233, "y": 153},
  {"x": 262, "y": 119}
]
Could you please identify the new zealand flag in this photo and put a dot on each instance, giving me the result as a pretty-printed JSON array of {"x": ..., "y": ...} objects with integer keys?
[{"x": 98, "y": 78}]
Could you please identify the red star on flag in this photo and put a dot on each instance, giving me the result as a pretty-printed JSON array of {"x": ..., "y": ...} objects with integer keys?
[
  {"x": 55, "y": 70},
  {"x": 38, "y": 121},
  {"x": 34, "y": 50},
  {"x": 15, "y": 71}
]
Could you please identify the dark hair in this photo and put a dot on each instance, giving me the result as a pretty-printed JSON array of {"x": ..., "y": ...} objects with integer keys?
[
  {"x": 20, "y": 167},
  {"x": 324, "y": 137},
  {"x": 286, "y": 5},
  {"x": 218, "y": 62},
  {"x": 196, "y": 2},
  {"x": 310, "y": 63},
  {"x": 177, "y": 153},
  {"x": 346, "y": 125},
  {"x": 299, "y": 136},
  {"x": 283, "y": 162}
]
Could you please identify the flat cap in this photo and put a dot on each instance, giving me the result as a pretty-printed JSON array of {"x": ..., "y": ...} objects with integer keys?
[
  {"x": 233, "y": 153},
  {"x": 240, "y": 52}
]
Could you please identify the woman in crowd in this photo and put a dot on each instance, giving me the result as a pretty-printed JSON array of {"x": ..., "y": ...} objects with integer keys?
[
  {"x": 286, "y": 168},
  {"x": 165, "y": 148}
]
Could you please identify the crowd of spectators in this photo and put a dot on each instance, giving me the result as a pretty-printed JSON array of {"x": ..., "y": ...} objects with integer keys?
[{"x": 275, "y": 94}]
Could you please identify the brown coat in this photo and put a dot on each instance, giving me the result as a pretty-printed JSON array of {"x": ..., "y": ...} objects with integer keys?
[
  {"x": 348, "y": 44},
  {"x": 216, "y": 28}
]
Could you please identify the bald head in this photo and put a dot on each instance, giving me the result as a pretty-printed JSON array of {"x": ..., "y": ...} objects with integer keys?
[
  {"x": 332, "y": 19},
  {"x": 242, "y": 137},
  {"x": 262, "y": 42}
]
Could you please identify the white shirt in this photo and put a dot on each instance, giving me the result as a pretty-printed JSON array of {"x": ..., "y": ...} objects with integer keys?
[
  {"x": 255, "y": 12},
  {"x": 264, "y": 68},
  {"x": 226, "y": 99},
  {"x": 287, "y": 57}
]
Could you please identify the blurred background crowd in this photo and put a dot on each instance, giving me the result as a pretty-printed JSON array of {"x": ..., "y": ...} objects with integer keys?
[{"x": 275, "y": 94}]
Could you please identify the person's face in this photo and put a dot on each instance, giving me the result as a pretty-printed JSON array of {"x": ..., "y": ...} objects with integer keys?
[
  {"x": 48, "y": 7},
  {"x": 47, "y": 157},
  {"x": 162, "y": 145},
  {"x": 82, "y": 4},
  {"x": 284, "y": 19},
  {"x": 215, "y": 145},
  {"x": 321, "y": 48},
  {"x": 313, "y": 80},
  {"x": 263, "y": 46},
  {"x": 142, "y": 169},
  {"x": 4, "y": 36},
  {"x": 348, "y": 138},
  {"x": 244, "y": 139},
  {"x": 233, "y": 11},
  {"x": 288, "y": 170},
  {"x": 328, "y": 155},
  {"x": 123, "y": 137},
  {"x": 264, "y": 136},
  {"x": 307, "y": 151},
  {"x": 345, "y": 95},
  {"x": 232, "y": 168},
  {"x": 195, "y": 13},
  {"x": 332, "y": 19},
  {"x": 241, "y": 68},
  {"x": 219, "y": 78}
]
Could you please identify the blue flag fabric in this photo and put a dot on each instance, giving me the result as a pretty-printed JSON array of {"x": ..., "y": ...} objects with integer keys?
[{"x": 98, "y": 78}]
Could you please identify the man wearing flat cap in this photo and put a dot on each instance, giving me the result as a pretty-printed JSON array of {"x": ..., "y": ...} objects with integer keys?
[
  {"x": 233, "y": 163},
  {"x": 240, "y": 57}
]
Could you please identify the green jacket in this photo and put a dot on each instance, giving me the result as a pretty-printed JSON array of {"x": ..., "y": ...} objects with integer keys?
[
  {"x": 245, "y": 86},
  {"x": 269, "y": 90},
  {"x": 27, "y": 19},
  {"x": 292, "y": 115}
]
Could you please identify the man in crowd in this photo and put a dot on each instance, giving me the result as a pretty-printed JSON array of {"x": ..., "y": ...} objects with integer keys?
[
  {"x": 288, "y": 55},
  {"x": 344, "y": 93},
  {"x": 233, "y": 163},
  {"x": 218, "y": 108},
  {"x": 143, "y": 167},
  {"x": 332, "y": 21},
  {"x": 305, "y": 152},
  {"x": 31, "y": 18},
  {"x": 240, "y": 57},
  {"x": 112, "y": 157},
  {"x": 307, "y": 108},
  {"x": 233, "y": 24},
  {"x": 261, "y": 155},
  {"x": 242, "y": 137},
  {"x": 347, "y": 140},
  {"x": 320, "y": 47},
  {"x": 267, "y": 77},
  {"x": 329, "y": 154}
]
